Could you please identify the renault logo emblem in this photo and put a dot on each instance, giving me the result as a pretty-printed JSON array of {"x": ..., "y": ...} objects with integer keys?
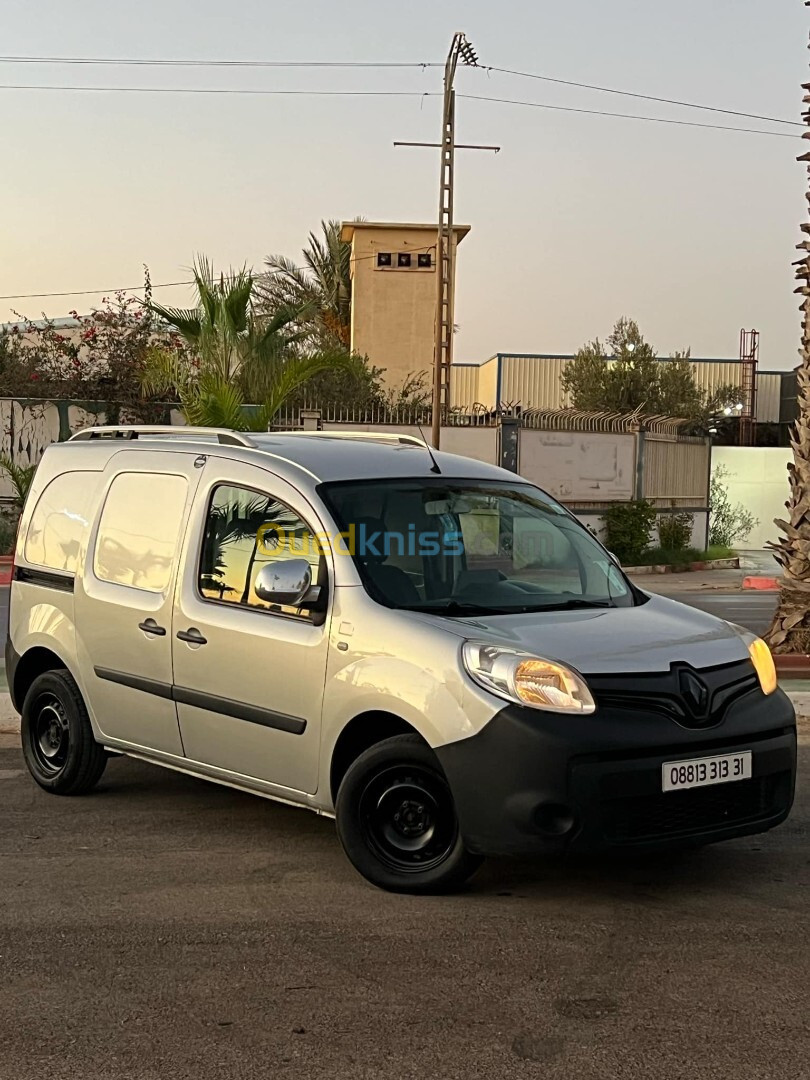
[{"x": 694, "y": 692}]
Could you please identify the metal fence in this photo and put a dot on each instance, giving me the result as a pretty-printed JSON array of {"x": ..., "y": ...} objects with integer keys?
[
  {"x": 675, "y": 470},
  {"x": 586, "y": 459}
]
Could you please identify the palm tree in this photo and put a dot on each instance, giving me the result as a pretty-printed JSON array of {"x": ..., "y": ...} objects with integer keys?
[
  {"x": 237, "y": 356},
  {"x": 21, "y": 477},
  {"x": 321, "y": 290},
  {"x": 790, "y": 629}
]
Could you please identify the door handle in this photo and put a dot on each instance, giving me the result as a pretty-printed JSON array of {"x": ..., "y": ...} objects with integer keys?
[
  {"x": 149, "y": 626},
  {"x": 192, "y": 636}
]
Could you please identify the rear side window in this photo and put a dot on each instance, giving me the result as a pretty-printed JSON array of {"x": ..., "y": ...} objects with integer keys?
[
  {"x": 139, "y": 530},
  {"x": 60, "y": 520}
]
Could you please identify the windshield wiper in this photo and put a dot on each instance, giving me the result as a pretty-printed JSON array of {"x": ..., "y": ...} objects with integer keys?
[
  {"x": 460, "y": 607},
  {"x": 570, "y": 605}
]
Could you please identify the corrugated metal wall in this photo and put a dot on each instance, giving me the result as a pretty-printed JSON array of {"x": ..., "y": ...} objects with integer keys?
[
  {"x": 464, "y": 385},
  {"x": 533, "y": 381},
  {"x": 769, "y": 389},
  {"x": 676, "y": 472},
  {"x": 488, "y": 382}
]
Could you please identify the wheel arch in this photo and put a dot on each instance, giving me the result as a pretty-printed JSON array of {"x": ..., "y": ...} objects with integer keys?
[
  {"x": 33, "y": 663},
  {"x": 362, "y": 732}
]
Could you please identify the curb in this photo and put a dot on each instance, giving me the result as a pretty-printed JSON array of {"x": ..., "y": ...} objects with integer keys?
[
  {"x": 762, "y": 583},
  {"x": 792, "y": 665},
  {"x": 684, "y": 568}
]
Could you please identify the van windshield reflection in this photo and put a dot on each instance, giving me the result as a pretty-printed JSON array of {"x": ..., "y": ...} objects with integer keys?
[{"x": 471, "y": 548}]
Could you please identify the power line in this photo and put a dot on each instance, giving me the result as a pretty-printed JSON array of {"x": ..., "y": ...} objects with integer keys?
[
  {"x": 381, "y": 65},
  {"x": 217, "y": 90},
  {"x": 644, "y": 97},
  {"x": 133, "y": 62},
  {"x": 628, "y": 116},
  {"x": 391, "y": 93},
  {"x": 171, "y": 284},
  {"x": 91, "y": 292}
]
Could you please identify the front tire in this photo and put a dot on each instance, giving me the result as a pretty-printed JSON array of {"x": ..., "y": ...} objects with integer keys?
[
  {"x": 57, "y": 739},
  {"x": 397, "y": 821}
]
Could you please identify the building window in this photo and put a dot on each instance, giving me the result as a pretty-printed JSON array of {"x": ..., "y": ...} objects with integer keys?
[
  {"x": 403, "y": 259},
  {"x": 383, "y": 258},
  {"x": 424, "y": 261}
]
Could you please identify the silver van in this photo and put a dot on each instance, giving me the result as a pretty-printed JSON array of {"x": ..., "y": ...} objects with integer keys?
[{"x": 425, "y": 647}]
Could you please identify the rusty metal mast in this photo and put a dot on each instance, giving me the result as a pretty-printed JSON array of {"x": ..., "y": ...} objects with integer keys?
[
  {"x": 460, "y": 49},
  {"x": 749, "y": 357}
]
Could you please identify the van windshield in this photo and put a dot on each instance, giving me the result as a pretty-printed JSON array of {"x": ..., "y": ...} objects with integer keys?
[{"x": 466, "y": 547}]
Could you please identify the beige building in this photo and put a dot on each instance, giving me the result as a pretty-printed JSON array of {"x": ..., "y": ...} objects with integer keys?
[{"x": 394, "y": 295}]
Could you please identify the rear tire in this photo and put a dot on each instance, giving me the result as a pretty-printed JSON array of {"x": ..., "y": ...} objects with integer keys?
[
  {"x": 57, "y": 740},
  {"x": 397, "y": 822}
]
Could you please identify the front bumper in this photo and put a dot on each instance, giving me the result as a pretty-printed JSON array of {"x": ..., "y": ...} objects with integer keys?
[{"x": 533, "y": 782}]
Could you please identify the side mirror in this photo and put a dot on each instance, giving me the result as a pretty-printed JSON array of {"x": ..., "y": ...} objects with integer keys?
[{"x": 287, "y": 582}]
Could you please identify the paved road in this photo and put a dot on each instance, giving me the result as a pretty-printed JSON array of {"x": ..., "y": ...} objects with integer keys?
[{"x": 165, "y": 927}]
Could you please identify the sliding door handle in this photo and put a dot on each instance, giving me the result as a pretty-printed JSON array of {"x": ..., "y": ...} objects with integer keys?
[
  {"x": 192, "y": 636},
  {"x": 149, "y": 626}
]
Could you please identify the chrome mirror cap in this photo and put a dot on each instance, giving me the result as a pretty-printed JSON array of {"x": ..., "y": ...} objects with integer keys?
[{"x": 285, "y": 582}]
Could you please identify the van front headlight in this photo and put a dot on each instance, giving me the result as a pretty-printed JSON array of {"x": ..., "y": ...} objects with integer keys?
[
  {"x": 527, "y": 680},
  {"x": 763, "y": 665}
]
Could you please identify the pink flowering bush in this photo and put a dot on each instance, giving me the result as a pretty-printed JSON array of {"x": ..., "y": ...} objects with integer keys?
[{"x": 96, "y": 357}]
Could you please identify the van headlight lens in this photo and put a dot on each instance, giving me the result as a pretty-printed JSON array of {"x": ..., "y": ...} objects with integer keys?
[
  {"x": 763, "y": 664},
  {"x": 527, "y": 680}
]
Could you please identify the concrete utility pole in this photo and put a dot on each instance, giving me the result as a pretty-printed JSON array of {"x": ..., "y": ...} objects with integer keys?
[{"x": 460, "y": 49}]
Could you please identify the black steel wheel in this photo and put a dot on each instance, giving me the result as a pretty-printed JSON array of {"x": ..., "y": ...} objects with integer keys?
[
  {"x": 51, "y": 734},
  {"x": 397, "y": 821},
  {"x": 57, "y": 738}
]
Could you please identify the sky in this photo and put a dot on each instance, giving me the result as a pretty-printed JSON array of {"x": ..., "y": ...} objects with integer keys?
[{"x": 578, "y": 220}]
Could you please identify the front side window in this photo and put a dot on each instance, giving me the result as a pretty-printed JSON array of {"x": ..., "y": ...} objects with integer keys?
[
  {"x": 245, "y": 530},
  {"x": 460, "y": 547},
  {"x": 139, "y": 530}
]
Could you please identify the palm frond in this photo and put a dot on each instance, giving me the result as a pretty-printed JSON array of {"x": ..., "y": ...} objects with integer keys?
[
  {"x": 294, "y": 374},
  {"x": 21, "y": 477},
  {"x": 187, "y": 322},
  {"x": 214, "y": 403},
  {"x": 236, "y": 300}
]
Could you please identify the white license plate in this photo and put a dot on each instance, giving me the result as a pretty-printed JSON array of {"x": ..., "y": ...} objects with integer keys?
[{"x": 700, "y": 772}]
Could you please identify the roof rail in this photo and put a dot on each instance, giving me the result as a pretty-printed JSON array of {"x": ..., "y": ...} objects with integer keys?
[
  {"x": 379, "y": 436},
  {"x": 224, "y": 436}
]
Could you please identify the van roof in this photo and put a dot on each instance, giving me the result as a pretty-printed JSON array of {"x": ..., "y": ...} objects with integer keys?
[{"x": 318, "y": 456}]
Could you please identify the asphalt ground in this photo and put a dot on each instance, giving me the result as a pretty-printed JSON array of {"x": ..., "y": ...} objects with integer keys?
[{"x": 165, "y": 927}]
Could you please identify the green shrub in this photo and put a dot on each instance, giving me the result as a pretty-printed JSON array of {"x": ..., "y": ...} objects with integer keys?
[
  {"x": 8, "y": 534},
  {"x": 727, "y": 521},
  {"x": 720, "y": 551},
  {"x": 627, "y": 530},
  {"x": 674, "y": 557},
  {"x": 675, "y": 531}
]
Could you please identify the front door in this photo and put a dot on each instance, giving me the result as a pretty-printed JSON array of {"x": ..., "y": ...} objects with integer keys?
[
  {"x": 248, "y": 677},
  {"x": 124, "y": 597}
]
